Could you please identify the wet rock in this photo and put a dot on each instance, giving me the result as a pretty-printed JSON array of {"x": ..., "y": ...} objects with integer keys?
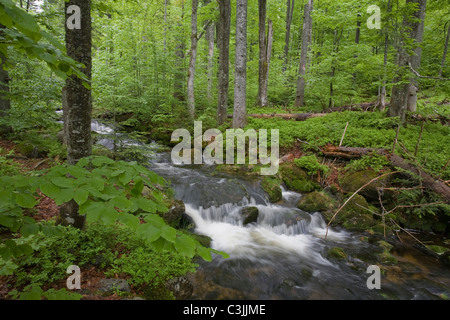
[
  {"x": 315, "y": 202},
  {"x": 250, "y": 215},
  {"x": 356, "y": 215},
  {"x": 181, "y": 288},
  {"x": 273, "y": 189},
  {"x": 297, "y": 179},
  {"x": 114, "y": 285},
  {"x": 174, "y": 215},
  {"x": 353, "y": 181},
  {"x": 386, "y": 257}
]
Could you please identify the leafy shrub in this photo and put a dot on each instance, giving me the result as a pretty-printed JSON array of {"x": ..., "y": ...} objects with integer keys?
[
  {"x": 311, "y": 165},
  {"x": 373, "y": 161}
]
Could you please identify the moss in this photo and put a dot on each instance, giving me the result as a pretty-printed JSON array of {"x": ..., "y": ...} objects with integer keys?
[
  {"x": 355, "y": 215},
  {"x": 272, "y": 187},
  {"x": 353, "y": 181},
  {"x": 439, "y": 250},
  {"x": 297, "y": 179},
  {"x": 386, "y": 257},
  {"x": 315, "y": 202},
  {"x": 336, "y": 253}
]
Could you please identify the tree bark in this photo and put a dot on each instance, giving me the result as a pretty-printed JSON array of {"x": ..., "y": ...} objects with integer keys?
[
  {"x": 289, "y": 15},
  {"x": 262, "y": 13},
  {"x": 445, "y": 50},
  {"x": 400, "y": 92},
  {"x": 240, "y": 90},
  {"x": 263, "y": 90},
  {"x": 385, "y": 61},
  {"x": 193, "y": 60},
  {"x": 306, "y": 36},
  {"x": 223, "y": 42},
  {"x": 210, "y": 33},
  {"x": 79, "y": 101},
  {"x": 178, "y": 91},
  {"x": 5, "y": 102}
]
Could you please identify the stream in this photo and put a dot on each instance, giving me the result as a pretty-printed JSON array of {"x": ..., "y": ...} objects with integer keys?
[{"x": 284, "y": 254}]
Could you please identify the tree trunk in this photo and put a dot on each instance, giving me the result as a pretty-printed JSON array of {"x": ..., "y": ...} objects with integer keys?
[
  {"x": 306, "y": 36},
  {"x": 79, "y": 100},
  {"x": 445, "y": 50},
  {"x": 240, "y": 90},
  {"x": 5, "y": 102},
  {"x": 289, "y": 15},
  {"x": 262, "y": 12},
  {"x": 178, "y": 91},
  {"x": 223, "y": 42},
  {"x": 210, "y": 33},
  {"x": 386, "y": 52},
  {"x": 400, "y": 92},
  {"x": 193, "y": 60},
  {"x": 266, "y": 67},
  {"x": 166, "y": 3}
]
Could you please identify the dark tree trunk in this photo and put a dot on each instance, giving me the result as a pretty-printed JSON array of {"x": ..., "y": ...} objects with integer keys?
[
  {"x": 193, "y": 60},
  {"x": 445, "y": 50},
  {"x": 306, "y": 37},
  {"x": 400, "y": 92},
  {"x": 5, "y": 102},
  {"x": 79, "y": 101},
  {"x": 223, "y": 43},
  {"x": 289, "y": 14},
  {"x": 262, "y": 4}
]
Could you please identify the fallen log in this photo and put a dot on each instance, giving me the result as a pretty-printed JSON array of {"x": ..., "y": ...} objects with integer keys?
[{"x": 429, "y": 182}]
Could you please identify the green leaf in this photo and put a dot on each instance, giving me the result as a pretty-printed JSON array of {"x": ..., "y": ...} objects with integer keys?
[
  {"x": 49, "y": 189},
  {"x": 121, "y": 202},
  {"x": 185, "y": 245},
  {"x": 25, "y": 200},
  {"x": 205, "y": 253},
  {"x": 64, "y": 196},
  {"x": 146, "y": 205},
  {"x": 137, "y": 188},
  {"x": 81, "y": 196},
  {"x": 29, "y": 229},
  {"x": 100, "y": 161},
  {"x": 148, "y": 232},
  {"x": 169, "y": 233},
  {"x": 129, "y": 220}
]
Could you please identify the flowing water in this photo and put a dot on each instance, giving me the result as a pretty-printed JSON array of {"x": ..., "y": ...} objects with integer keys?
[{"x": 283, "y": 255}]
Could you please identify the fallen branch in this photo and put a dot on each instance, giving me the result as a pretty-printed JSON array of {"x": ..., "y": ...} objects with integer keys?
[
  {"x": 426, "y": 77},
  {"x": 354, "y": 194}
]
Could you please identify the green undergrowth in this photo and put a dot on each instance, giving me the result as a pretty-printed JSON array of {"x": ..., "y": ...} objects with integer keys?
[{"x": 368, "y": 130}]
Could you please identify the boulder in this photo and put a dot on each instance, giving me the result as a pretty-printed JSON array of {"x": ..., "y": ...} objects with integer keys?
[
  {"x": 353, "y": 181},
  {"x": 336, "y": 253},
  {"x": 315, "y": 202},
  {"x": 355, "y": 216},
  {"x": 297, "y": 179},
  {"x": 113, "y": 285},
  {"x": 273, "y": 189},
  {"x": 250, "y": 215},
  {"x": 181, "y": 288}
]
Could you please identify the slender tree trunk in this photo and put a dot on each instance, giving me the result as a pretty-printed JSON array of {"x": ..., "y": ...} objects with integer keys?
[
  {"x": 386, "y": 52},
  {"x": 266, "y": 66},
  {"x": 401, "y": 92},
  {"x": 240, "y": 90},
  {"x": 79, "y": 101},
  {"x": 445, "y": 50},
  {"x": 166, "y": 3},
  {"x": 223, "y": 42},
  {"x": 193, "y": 60},
  {"x": 210, "y": 33},
  {"x": 5, "y": 102},
  {"x": 178, "y": 92},
  {"x": 306, "y": 36},
  {"x": 262, "y": 12},
  {"x": 289, "y": 14}
]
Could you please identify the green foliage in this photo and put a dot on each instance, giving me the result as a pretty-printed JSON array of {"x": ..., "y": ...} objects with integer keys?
[
  {"x": 373, "y": 161},
  {"x": 311, "y": 165},
  {"x": 35, "y": 292},
  {"x": 8, "y": 167},
  {"x": 159, "y": 267}
]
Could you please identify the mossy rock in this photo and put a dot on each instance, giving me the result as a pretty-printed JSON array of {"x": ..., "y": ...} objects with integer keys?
[
  {"x": 336, "y": 253},
  {"x": 250, "y": 215},
  {"x": 386, "y": 257},
  {"x": 273, "y": 189},
  {"x": 439, "y": 250},
  {"x": 315, "y": 202},
  {"x": 354, "y": 217},
  {"x": 353, "y": 181},
  {"x": 297, "y": 179}
]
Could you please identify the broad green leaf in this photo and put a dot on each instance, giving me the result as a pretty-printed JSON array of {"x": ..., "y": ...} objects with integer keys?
[
  {"x": 25, "y": 200},
  {"x": 63, "y": 182},
  {"x": 80, "y": 196},
  {"x": 129, "y": 220},
  {"x": 64, "y": 196},
  {"x": 29, "y": 229},
  {"x": 146, "y": 205},
  {"x": 148, "y": 232},
  {"x": 185, "y": 245},
  {"x": 204, "y": 253},
  {"x": 169, "y": 233},
  {"x": 49, "y": 189}
]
